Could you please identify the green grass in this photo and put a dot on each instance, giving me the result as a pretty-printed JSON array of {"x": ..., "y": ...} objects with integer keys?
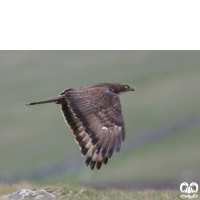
[
  {"x": 78, "y": 192},
  {"x": 166, "y": 87}
]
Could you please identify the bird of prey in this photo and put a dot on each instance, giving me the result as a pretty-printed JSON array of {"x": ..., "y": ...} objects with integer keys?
[{"x": 94, "y": 115}]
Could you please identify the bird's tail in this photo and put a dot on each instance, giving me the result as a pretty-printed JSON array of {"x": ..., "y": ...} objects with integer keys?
[{"x": 56, "y": 99}]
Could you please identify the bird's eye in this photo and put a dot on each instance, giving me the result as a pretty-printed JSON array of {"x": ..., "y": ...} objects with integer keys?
[{"x": 126, "y": 86}]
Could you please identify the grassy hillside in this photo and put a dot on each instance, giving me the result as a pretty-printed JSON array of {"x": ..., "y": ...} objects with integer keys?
[
  {"x": 78, "y": 192},
  {"x": 166, "y": 87}
]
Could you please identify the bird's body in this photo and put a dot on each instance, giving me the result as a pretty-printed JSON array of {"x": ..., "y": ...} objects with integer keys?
[{"x": 94, "y": 115}]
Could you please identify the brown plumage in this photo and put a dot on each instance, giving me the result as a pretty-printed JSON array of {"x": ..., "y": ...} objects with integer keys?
[{"x": 94, "y": 115}]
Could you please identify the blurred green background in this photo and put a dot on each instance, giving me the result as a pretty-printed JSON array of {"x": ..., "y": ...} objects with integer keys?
[{"x": 162, "y": 117}]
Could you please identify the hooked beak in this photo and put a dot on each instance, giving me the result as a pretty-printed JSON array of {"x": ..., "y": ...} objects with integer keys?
[{"x": 132, "y": 89}]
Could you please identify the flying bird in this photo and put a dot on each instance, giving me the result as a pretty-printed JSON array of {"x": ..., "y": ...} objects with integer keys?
[{"x": 94, "y": 115}]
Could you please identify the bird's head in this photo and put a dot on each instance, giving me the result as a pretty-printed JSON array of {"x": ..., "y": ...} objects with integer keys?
[{"x": 122, "y": 87}]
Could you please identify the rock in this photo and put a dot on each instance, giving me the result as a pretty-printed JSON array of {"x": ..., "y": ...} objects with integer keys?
[{"x": 29, "y": 194}]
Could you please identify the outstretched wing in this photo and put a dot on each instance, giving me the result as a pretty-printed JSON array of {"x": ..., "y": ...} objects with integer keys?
[{"x": 96, "y": 119}]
